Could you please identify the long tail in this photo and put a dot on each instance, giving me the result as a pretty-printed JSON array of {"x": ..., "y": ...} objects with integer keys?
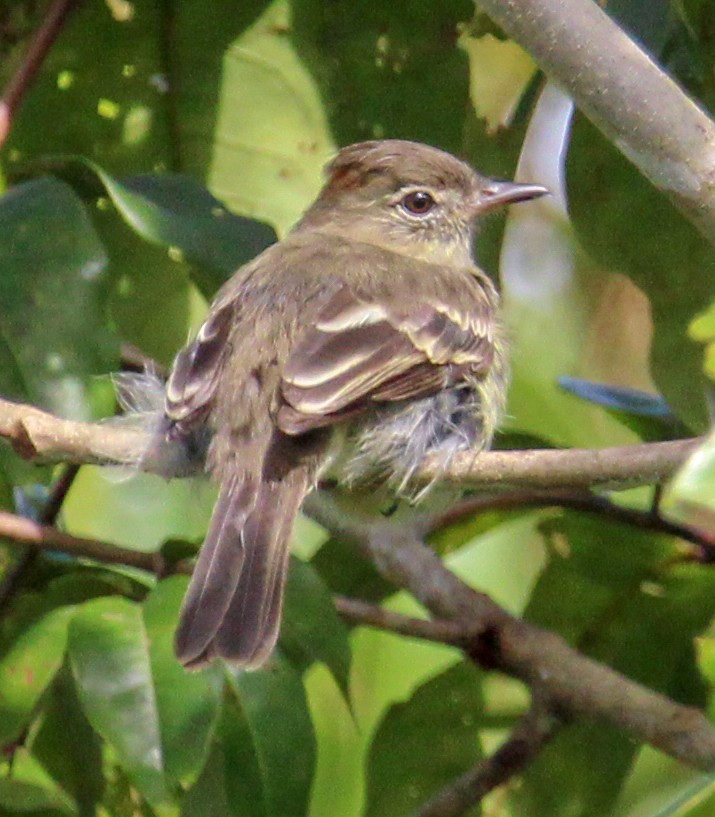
[{"x": 233, "y": 606}]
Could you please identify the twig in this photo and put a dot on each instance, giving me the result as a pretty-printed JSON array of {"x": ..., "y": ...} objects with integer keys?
[
  {"x": 576, "y": 685},
  {"x": 37, "y": 435},
  {"x": 32, "y": 61},
  {"x": 637, "y": 105},
  {"x": 582, "y": 501},
  {"x": 536, "y": 728},
  {"x": 439, "y": 631},
  {"x": 25, "y": 531},
  {"x": 13, "y": 576}
]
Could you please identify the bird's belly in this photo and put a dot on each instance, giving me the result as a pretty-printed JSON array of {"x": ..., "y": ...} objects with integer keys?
[{"x": 390, "y": 444}]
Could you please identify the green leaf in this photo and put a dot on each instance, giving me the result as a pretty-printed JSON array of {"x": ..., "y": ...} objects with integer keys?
[
  {"x": 273, "y": 712},
  {"x": 689, "y": 497},
  {"x": 175, "y": 212},
  {"x": 649, "y": 21},
  {"x": 423, "y": 744},
  {"x": 116, "y": 108},
  {"x": 343, "y": 570},
  {"x": 187, "y": 702},
  {"x": 268, "y": 172},
  {"x": 377, "y": 63},
  {"x": 18, "y": 797},
  {"x": 612, "y": 592},
  {"x": 311, "y": 629},
  {"x": 110, "y": 660},
  {"x": 695, "y": 794},
  {"x": 68, "y": 748},
  {"x": 27, "y": 669},
  {"x": 52, "y": 319}
]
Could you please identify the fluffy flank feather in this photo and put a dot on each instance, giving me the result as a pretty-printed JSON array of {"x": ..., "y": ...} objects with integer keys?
[{"x": 141, "y": 396}]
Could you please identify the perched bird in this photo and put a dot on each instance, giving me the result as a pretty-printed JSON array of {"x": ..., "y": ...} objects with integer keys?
[{"x": 362, "y": 342}]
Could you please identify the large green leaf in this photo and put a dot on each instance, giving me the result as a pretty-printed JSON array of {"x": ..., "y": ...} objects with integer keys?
[
  {"x": 111, "y": 663},
  {"x": 27, "y": 669},
  {"x": 177, "y": 213},
  {"x": 271, "y": 723},
  {"x": 378, "y": 63},
  {"x": 52, "y": 321},
  {"x": 260, "y": 169},
  {"x": 311, "y": 629},
  {"x": 423, "y": 744},
  {"x": 68, "y": 748},
  {"x": 612, "y": 591},
  {"x": 116, "y": 108},
  {"x": 187, "y": 702}
]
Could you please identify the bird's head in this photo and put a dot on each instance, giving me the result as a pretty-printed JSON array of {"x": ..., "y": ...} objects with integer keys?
[{"x": 409, "y": 197}]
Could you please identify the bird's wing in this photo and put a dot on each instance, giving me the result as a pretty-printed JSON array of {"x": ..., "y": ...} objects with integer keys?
[
  {"x": 360, "y": 352},
  {"x": 197, "y": 367}
]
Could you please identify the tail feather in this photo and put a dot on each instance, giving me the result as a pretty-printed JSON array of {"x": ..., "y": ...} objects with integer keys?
[{"x": 233, "y": 606}]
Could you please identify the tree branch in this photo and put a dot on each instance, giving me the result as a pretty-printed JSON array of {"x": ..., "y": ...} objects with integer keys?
[
  {"x": 40, "y": 436},
  {"x": 529, "y": 737},
  {"x": 582, "y": 501},
  {"x": 575, "y": 685},
  {"x": 628, "y": 97},
  {"x": 31, "y": 63}
]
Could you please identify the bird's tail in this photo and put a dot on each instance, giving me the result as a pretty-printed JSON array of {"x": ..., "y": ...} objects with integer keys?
[{"x": 233, "y": 606}]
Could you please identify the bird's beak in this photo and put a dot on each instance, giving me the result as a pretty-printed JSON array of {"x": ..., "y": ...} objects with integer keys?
[{"x": 496, "y": 194}]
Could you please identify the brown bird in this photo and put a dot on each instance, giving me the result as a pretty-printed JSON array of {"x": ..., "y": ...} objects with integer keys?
[{"x": 362, "y": 342}]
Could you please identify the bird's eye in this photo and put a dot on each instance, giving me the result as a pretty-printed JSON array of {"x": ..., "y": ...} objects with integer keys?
[{"x": 418, "y": 203}]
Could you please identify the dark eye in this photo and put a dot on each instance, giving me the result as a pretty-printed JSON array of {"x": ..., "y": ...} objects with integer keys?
[{"x": 418, "y": 202}]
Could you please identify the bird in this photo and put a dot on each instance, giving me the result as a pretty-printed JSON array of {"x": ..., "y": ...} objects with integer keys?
[{"x": 364, "y": 341}]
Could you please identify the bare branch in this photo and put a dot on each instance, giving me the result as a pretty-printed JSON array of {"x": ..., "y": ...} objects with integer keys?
[
  {"x": 38, "y": 435},
  {"x": 576, "y": 685},
  {"x": 31, "y": 63},
  {"x": 583, "y": 501},
  {"x": 27, "y": 532},
  {"x": 618, "y": 467},
  {"x": 529, "y": 737},
  {"x": 440, "y": 631},
  {"x": 635, "y": 104}
]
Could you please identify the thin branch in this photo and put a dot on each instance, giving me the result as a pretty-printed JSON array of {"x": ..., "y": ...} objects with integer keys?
[
  {"x": 618, "y": 467},
  {"x": 629, "y": 98},
  {"x": 13, "y": 576},
  {"x": 439, "y": 631},
  {"x": 528, "y": 738},
  {"x": 46, "y": 537},
  {"x": 575, "y": 684},
  {"x": 37, "y": 435},
  {"x": 582, "y": 501},
  {"x": 31, "y": 63}
]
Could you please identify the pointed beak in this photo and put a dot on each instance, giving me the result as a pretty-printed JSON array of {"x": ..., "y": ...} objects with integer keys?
[{"x": 498, "y": 194}]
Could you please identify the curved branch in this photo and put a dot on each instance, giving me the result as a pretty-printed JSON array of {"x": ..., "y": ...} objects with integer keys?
[
  {"x": 574, "y": 684},
  {"x": 31, "y": 63},
  {"x": 530, "y": 735},
  {"x": 40, "y": 436},
  {"x": 628, "y": 97}
]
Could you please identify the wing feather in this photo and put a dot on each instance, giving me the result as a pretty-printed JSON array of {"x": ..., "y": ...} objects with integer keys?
[
  {"x": 359, "y": 352},
  {"x": 195, "y": 374}
]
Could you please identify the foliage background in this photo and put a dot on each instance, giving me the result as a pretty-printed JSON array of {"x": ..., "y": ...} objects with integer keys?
[{"x": 101, "y": 244}]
